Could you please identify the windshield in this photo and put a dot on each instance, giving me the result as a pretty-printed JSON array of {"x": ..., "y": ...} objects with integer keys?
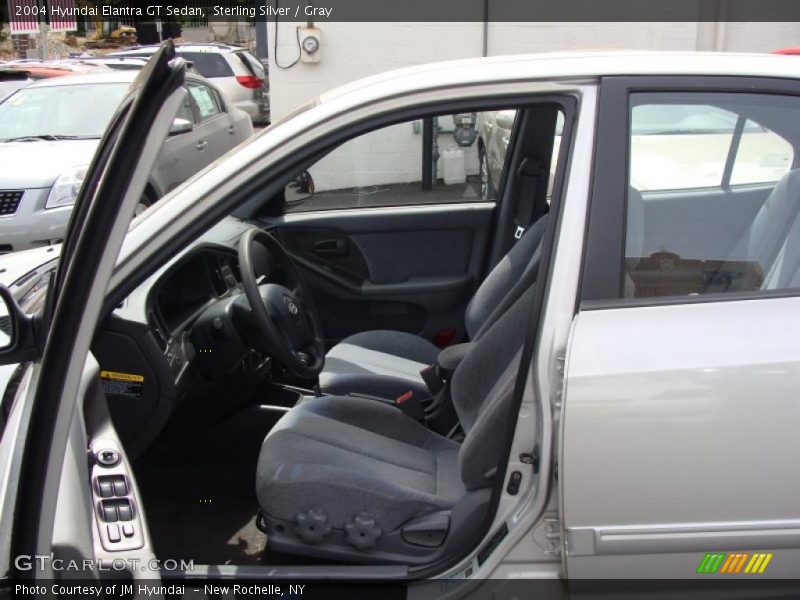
[{"x": 64, "y": 111}]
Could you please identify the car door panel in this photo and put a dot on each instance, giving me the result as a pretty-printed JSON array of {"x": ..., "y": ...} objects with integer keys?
[
  {"x": 411, "y": 269},
  {"x": 178, "y": 160},
  {"x": 217, "y": 137},
  {"x": 679, "y": 400},
  {"x": 673, "y": 448},
  {"x": 113, "y": 185}
]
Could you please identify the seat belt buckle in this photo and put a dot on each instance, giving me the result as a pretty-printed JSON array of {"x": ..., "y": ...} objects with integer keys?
[
  {"x": 410, "y": 405},
  {"x": 518, "y": 233},
  {"x": 404, "y": 397}
]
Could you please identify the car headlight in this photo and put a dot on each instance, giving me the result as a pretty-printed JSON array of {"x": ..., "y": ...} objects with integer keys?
[{"x": 65, "y": 189}]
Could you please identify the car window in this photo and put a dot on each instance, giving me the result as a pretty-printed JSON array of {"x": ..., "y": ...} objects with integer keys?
[
  {"x": 386, "y": 168},
  {"x": 687, "y": 146},
  {"x": 208, "y": 104},
  {"x": 208, "y": 63},
  {"x": 713, "y": 201},
  {"x": 185, "y": 111},
  {"x": 251, "y": 63},
  {"x": 761, "y": 157}
]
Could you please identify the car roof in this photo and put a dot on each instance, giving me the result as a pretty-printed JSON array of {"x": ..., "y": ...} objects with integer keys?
[
  {"x": 569, "y": 65},
  {"x": 793, "y": 51},
  {"x": 112, "y": 76},
  {"x": 79, "y": 79},
  {"x": 189, "y": 47},
  {"x": 54, "y": 68}
]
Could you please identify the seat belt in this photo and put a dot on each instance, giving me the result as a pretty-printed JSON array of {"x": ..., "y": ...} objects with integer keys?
[{"x": 530, "y": 169}]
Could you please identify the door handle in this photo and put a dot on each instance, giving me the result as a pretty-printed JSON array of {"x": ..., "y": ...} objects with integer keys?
[
  {"x": 231, "y": 129},
  {"x": 202, "y": 145},
  {"x": 331, "y": 248}
]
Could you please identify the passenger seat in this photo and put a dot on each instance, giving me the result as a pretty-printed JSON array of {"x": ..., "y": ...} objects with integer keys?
[{"x": 387, "y": 364}]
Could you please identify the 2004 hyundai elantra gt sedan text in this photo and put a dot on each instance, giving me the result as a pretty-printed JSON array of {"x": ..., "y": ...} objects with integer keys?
[{"x": 251, "y": 362}]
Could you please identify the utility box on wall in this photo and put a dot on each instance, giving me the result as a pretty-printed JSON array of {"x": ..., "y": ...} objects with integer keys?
[{"x": 309, "y": 44}]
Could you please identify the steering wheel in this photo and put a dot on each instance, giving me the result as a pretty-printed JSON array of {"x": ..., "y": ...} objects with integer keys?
[{"x": 285, "y": 316}]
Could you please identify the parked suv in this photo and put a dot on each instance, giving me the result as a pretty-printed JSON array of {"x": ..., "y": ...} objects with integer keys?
[{"x": 234, "y": 70}]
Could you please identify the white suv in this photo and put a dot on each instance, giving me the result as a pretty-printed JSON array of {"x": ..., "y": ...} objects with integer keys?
[{"x": 233, "y": 69}]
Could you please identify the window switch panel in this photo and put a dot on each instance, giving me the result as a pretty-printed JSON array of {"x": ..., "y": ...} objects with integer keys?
[
  {"x": 113, "y": 533},
  {"x": 120, "y": 487}
]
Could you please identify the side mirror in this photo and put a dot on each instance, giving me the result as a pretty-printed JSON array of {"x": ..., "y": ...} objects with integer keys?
[
  {"x": 300, "y": 188},
  {"x": 17, "y": 340},
  {"x": 180, "y": 126},
  {"x": 505, "y": 119}
]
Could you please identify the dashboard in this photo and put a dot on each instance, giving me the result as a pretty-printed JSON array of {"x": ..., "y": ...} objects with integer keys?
[
  {"x": 202, "y": 278},
  {"x": 182, "y": 295},
  {"x": 172, "y": 341}
]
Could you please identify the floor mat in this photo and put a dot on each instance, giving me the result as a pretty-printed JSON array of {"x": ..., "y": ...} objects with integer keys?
[
  {"x": 208, "y": 533},
  {"x": 198, "y": 491}
]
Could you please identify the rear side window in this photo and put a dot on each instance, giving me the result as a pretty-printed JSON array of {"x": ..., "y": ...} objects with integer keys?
[
  {"x": 686, "y": 146},
  {"x": 208, "y": 64},
  {"x": 251, "y": 63},
  {"x": 206, "y": 100},
  {"x": 713, "y": 200}
]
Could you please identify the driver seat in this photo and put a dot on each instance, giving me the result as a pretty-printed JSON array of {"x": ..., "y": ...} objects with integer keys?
[
  {"x": 387, "y": 364},
  {"x": 355, "y": 480}
]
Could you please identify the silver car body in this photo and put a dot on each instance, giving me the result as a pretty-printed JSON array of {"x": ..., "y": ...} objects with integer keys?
[
  {"x": 672, "y": 427},
  {"x": 240, "y": 63},
  {"x": 30, "y": 168}
]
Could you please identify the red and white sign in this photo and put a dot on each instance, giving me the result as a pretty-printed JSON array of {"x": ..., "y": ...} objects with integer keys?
[
  {"x": 24, "y": 16},
  {"x": 61, "y": 14}
]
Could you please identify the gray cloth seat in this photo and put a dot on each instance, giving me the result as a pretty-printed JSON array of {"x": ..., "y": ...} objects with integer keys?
[
  {"x": 350, "y": 454},
  {"x": 358, "y": 480},
  {"x": 388, "y": 363},
  {"x": 772, "y": 241},
  {"x": 379, "y": 363}
]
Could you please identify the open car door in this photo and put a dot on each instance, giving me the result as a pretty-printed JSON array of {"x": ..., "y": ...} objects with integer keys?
[{"x": 52, "y": 499}]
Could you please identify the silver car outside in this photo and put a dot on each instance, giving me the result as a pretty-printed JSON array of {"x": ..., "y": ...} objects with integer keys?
[
  {"x": 32, "y": 167},
  {"x": 233, "y": 69}
]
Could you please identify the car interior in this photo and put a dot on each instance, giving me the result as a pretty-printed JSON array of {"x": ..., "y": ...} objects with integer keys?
[
  {"x": 331, "y": 384},
  {"x": 329, "y": 376}
]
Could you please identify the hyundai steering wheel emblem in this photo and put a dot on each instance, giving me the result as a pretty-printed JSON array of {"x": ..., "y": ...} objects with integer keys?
[{"x": 293, "y": 310}]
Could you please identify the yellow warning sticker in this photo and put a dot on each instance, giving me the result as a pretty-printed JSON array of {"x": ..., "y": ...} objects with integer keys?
[
  {"x": 122, "y": 384},
  {"x": 117, "y": 376}
]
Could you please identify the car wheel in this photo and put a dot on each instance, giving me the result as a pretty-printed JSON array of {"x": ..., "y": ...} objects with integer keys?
[{"x": 487, "y": 189}]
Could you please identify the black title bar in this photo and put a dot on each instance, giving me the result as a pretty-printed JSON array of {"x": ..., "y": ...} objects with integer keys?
[{"x": 461, "y": 11}]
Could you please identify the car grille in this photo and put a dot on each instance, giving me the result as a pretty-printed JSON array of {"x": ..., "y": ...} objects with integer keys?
[{"x": 9, "y": 201}]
